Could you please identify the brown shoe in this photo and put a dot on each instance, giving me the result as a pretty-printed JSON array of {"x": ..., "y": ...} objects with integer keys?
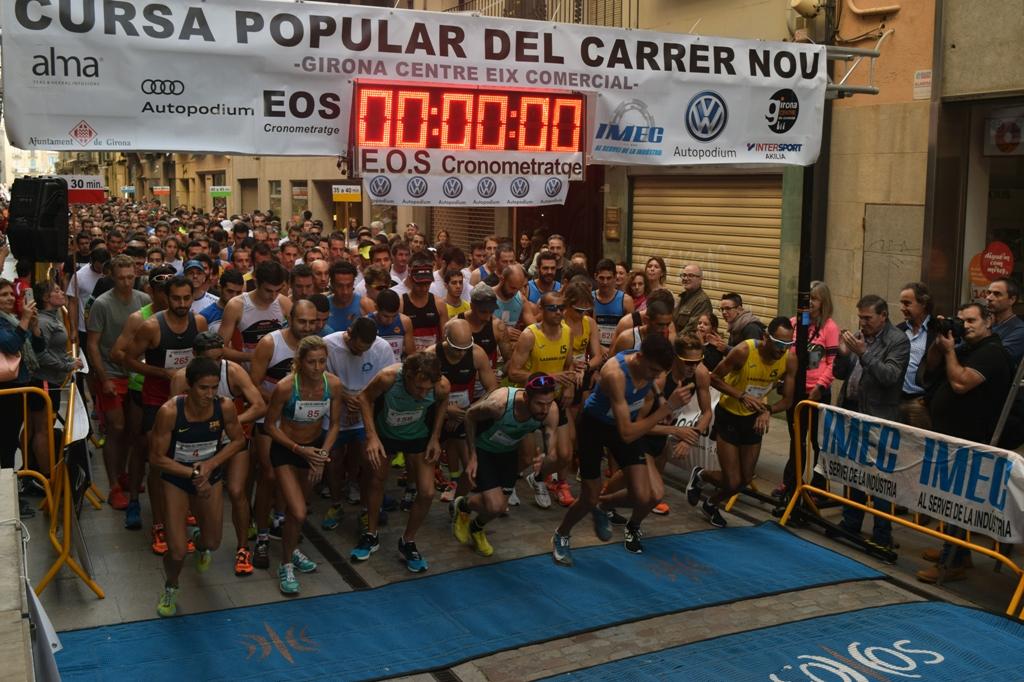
[
  {"x": 933, "y": 554},
  {"x": 931, "y": 574}
]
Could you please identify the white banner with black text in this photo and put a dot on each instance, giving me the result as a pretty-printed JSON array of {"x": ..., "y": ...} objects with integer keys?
[{"x": 236, "y": 76}]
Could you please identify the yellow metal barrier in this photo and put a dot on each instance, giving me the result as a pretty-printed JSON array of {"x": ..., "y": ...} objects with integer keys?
[
  {"x": 59, "y": 503},
  {"x": 804, "y": 490}
]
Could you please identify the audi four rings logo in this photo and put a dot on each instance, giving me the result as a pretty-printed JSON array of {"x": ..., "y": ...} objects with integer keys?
[
  {"x": 416, "y": 187},
  {"x": 162, "y": 86},
  {"x": 552, "y": 187},
  {"x": 706, "y": 116},
  {"x": 452, "y": 187},
  {"x": 486, "y": 187},
  {"x": 380, "y": 186},
  {"x": 520, "y": 187}
]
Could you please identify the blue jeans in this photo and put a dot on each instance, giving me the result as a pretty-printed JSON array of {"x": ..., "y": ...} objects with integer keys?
[{"x": 853, "y": 518}]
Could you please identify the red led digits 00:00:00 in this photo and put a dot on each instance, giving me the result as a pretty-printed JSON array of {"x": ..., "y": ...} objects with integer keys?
[{"x": 464, "y": 119}]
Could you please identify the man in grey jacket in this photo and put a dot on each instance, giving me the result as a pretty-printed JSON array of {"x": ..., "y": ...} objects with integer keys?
[{"x": 872, "y": 362}]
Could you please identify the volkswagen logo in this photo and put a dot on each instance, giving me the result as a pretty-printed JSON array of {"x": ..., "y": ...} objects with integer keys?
[
  {"x": 552, "y": 187},
  {"x": 157, "y": 86},
  {"x": 486, "y": 187},
  {"x": 706, "y": 115},
  {"x": 416, "y": 187},
  {"x": 452, "y": 187},
  {"x": 380, "y": 186},
  {"x": 520, "y": 187}
]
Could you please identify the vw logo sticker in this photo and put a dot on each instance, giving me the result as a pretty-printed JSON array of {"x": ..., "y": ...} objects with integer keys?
[
  {"x": 706, "y": 116},
  {"x": 552, "y": 187},
  {"x": 380, "y": 186},
  {"x": 416, "y": 187},
  {"x": 452, "y": 187},
  {"x": 486, "y": 187},
  {"x": 520, "y": 187},
  {"x": 158, "y": 86}
]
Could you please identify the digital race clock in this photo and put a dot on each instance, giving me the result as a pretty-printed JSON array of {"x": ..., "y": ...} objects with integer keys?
[{"x": 467, "y": 119}]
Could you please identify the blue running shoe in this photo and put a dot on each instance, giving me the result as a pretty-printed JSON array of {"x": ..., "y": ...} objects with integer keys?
[
  {"x": 133, "y": 516},
  {"x": 368, "y": 544},
  {"x": 414, "y": 561}
]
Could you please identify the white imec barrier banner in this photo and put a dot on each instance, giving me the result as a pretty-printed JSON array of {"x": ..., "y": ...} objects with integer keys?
[
  {"x": 237, "y": 76},
  {"x": 970, "y": 485}
]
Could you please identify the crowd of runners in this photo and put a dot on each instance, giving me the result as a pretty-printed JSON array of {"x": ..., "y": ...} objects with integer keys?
[{"x": 238, "y": 357}]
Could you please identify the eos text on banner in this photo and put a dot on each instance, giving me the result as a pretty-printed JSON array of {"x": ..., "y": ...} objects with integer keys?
[
  {"x": 150, "y": 75},
  {"x": 970, "y": 485}
]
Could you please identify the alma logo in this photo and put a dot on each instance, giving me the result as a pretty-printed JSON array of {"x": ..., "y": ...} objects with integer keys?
[{"x": 52, "y": 65}]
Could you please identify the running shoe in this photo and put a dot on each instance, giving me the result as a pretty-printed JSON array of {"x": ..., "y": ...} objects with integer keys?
[
  {"x": 632, "y": 543},
  {"x": 481, "y": 544},
  {"x": 159, "y": 535},
  {"x": 399, "y": 461},
  {"x": 368, "y": 544},
  {"x": 191, "y": 520},
  {"x": 540, "y": 491},
  {"x": 602, "y": 525},
  {"x": 460, "y": 523},
  {"x": 133, "y": 516},
  {"x": 277, "y": 526},
  {"x": 204, "y": 557},
  {"x": 118, "y": 499},
  {"x": 564, "y": 495},
  {"x": 449, "y": 492},
  {"x": 302, "y": 563},
  {"x": 407, "y": 499},
  {"x": 513, "y": 499},
  {"x": 693, "y": 486},
  {"x": 353, "y": 492},
  {"x": 615, "y": 518},
  {"x": 243, "y": 562},
  {"x": 661, "y": 509},
  {"x": 190, "y": 546},
  {"x": 288, "y": 584},
  {"x": 325, "y": 491},
  {"x": 332, "y": 517},
  {"x": 261, "y": 557},
  {"x": 414, "y": 561},
  {"x": 560, "y": 551},
  {"x": 440, "y": 479},
  {"x": 712, "y": 514},
  {"x": 168, "y": 604}
]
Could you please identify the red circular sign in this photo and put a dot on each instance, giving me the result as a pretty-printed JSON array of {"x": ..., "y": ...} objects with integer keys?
[
  {"x": 1007, "y": 136},
  {"x": 997, "y": 261}
]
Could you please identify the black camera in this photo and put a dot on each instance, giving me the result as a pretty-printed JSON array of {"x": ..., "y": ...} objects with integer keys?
[{"x": 954, "y": 325}]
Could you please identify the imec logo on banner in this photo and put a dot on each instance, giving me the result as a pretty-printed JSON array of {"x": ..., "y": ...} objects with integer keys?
[
  {"x": 380, "y": 186},
  {"x": 706, "y": 116}
]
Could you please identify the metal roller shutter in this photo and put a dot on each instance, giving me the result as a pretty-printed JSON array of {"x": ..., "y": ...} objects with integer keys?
[
  {"x": 729, "y": 225},
  {"x": 465, "y": 225}
]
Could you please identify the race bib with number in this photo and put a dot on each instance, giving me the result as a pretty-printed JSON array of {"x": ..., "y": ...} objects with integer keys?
[
  {"x": 502, "y": 438},
  {"x": 191, "y": 453},
  {"x": 177, "y": 358},
  {"x": 396, "y": 343},
  {"x": 758, "y": 391},
  {"x": 424, "y": 342},
  {"x": 396, "y": 418},
  {"x": 459, "y": 399},
  {"x": 607, "y": 334},
  {"x": 311, "y": 410}
]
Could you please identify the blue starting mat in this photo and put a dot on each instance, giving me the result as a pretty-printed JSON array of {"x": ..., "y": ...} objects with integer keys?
[
  {"x": 442, "y": 620},
  {"x": 919, "y": 641}
]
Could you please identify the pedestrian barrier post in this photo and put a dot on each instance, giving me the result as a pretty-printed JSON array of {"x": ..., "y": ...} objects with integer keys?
[{"x": 805, "y": 490}]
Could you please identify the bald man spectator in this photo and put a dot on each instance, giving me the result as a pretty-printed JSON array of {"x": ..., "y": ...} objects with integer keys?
[{"x": 693, "y": 301}]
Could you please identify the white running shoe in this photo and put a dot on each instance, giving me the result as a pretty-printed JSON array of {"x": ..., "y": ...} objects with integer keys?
[
  {"x": 513, "y": 499},
  {"x": 540, "y": 491}
]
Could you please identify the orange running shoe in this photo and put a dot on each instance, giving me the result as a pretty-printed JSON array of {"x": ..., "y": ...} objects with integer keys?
[
  {"x": 190, "y": 520},
  {"x": 661, "y": 509},
  {"x": 564, "y": 495},
  {"x": 159, "y": 545},
  {"x": 191, "y": 549},
  {"x": 118, "y": 499},
  {"x": 243, "y": 562}
]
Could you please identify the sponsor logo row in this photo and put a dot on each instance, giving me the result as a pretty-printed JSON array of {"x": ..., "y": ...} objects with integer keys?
[{"x": 380, "y": 186}]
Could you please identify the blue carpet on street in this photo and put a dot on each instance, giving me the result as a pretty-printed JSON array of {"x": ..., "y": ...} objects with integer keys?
[
  {"x": 919, "y": 641},
  {"x": 441, "y": 620}
]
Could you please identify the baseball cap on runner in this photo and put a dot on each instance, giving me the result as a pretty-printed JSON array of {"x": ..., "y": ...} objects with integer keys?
[
  {"x": 193, "y": 264},
  {"x": 483, "y": 297},
  {"x": 422, "y": 273}
]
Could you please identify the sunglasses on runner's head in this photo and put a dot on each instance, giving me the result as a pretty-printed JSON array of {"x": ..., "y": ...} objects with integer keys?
[
  {"x": 454, "y": 346},
  {"x": 583, "y": 311},
  {"x": 160, "y": 279},
  {"x": 781, "y": 345},
  {"x": 543, "y": 382},
  {"x": 688, "y": 361},
  {"x": 554, "y": 307}
]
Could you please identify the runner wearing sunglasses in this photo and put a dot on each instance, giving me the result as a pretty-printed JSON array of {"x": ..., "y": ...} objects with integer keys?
[
  {"x": 494, "y": 428},
  {"x": 745, "y": 377}
]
